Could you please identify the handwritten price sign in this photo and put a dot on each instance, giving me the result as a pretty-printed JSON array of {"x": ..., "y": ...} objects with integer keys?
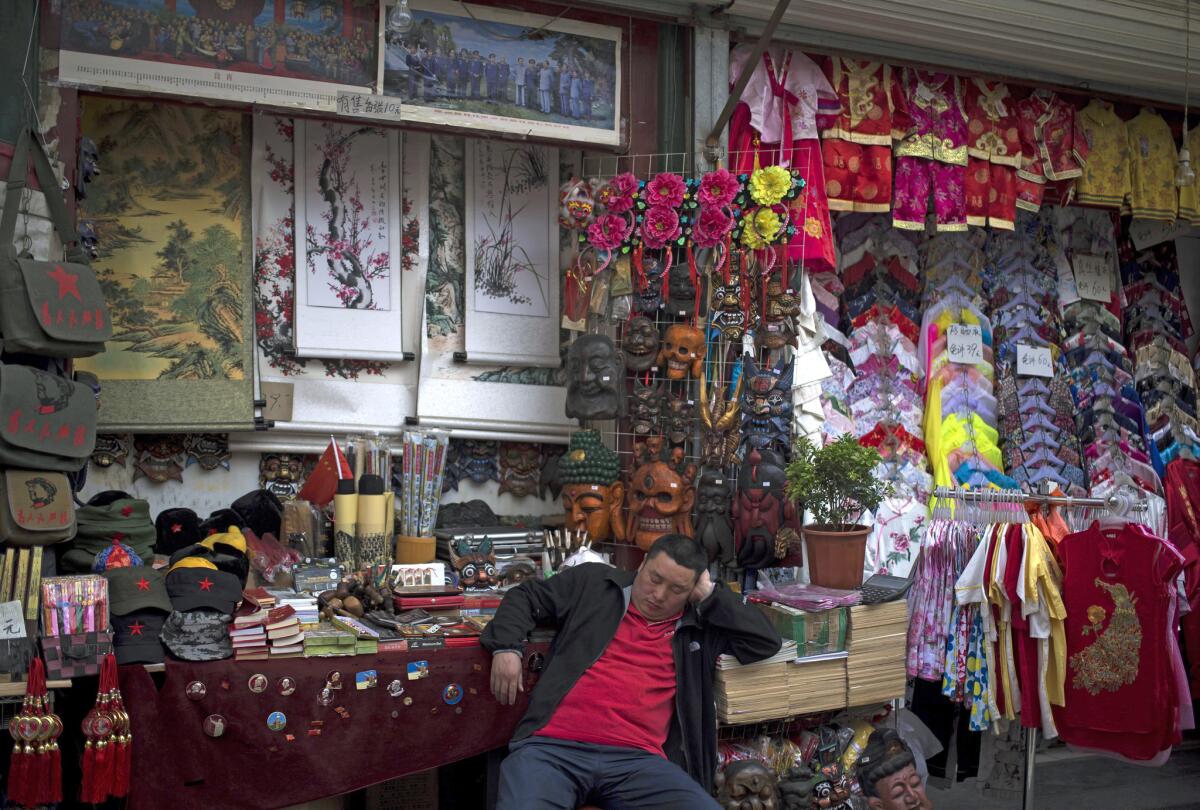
[
  {"x": 1093, "y": 277},
  {"x": 1034, "y": 361},
  {"x": 964, "y": 343}
]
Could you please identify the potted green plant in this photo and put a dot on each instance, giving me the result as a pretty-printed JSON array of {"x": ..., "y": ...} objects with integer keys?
[{"x": 836, "y": 483}]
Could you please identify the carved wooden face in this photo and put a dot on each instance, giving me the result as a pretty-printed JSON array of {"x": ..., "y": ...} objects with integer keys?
[
  {"x": 727, "y": 313},
  {"x": 476, "y": 564},
  {"x": 659, "y": 499},
  {"x": 645, "y": 407},
  {"x": 280, "y": 473},
  {"x": 649, "y": 297},
  {"x": 520, "y": 468},
  {"x": 594, "y": 373},
  {"x": 714, "y": 529},
  {"x": 680, "y": 425},
  {"x": 641, "y": 343},
  {"x": 682, "y": 352},
  {"x": 593, "y": 508},
  {"x": 903, "y": 790},
  {"x": 747, "y": 783}
]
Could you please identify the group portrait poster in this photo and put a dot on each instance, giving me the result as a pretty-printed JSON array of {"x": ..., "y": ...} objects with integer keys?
[
  {"x": 477, "y": 67},
  {"x": 272, "y": 52}
]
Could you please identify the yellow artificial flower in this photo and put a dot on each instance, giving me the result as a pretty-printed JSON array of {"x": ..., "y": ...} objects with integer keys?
[
  {"x": 750, "y": 235},
  {"x": 769, "y": 184},
  {"x": 767, "y": 223}
]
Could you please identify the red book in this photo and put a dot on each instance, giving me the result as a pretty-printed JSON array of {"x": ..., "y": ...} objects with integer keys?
[{"x": 430, "y": 603}]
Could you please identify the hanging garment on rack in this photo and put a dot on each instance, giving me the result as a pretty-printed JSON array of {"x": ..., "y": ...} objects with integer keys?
[
  {"x": 1151, "y": 168},
  {"x": 776, "y": 124},
  {"x": 1119, "y": 591},
  {"x": 856, "y": 144},
  {"x": 1105, "y": 178}
]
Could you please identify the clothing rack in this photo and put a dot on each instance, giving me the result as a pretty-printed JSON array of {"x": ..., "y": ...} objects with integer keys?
[{"x": 1116, "y": 504}]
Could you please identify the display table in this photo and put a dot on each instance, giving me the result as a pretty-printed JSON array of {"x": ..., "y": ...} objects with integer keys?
[{"x": 362, "y": 737}]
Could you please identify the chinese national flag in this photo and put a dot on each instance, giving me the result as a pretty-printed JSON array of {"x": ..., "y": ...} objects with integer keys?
[{"x": 321, "y": 485}]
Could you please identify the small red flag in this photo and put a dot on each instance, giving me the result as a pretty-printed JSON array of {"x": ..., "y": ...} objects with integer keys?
[{"x": 321, "y": 484}]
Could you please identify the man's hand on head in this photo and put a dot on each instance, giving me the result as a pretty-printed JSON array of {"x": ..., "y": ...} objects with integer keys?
[
  {"x": 507, "y": 676},
  {"x": 704, "y": 586}
]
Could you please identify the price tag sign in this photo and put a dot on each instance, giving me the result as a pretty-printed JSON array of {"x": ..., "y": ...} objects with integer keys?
[
  {"x": 1068, "y": 293},
  {"x": 1034, "y": 361},
  {"x": 12, "y": 621},
  {"x": 964, "y": 343},
  {"x": 1093, "y": 277}
]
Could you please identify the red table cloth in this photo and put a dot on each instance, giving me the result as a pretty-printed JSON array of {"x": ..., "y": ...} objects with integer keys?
[{"x": 177, "y": 765}]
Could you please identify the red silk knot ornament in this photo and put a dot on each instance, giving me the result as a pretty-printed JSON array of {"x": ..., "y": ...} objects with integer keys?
[
  {"x": 108, "y": 746},
  {"x": 35, "y": 767}
]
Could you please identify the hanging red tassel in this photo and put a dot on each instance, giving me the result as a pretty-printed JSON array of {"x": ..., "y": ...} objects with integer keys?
[
  {"x": 55, "y": 794},
  {"x": 123, "y": 761},
  {"x": 32, "y": 779}
]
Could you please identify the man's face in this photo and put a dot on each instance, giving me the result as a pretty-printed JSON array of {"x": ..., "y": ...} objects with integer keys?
[
  {"x": 902, "y": 790},
  {"x": 662, "y": 587}
]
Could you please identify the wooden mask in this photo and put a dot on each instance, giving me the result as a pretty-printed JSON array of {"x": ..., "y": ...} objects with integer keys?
[
  {"x": 475, "y": 563},
  {"x": 682, "y": 352},
  {"x": 660, "y": 493}
]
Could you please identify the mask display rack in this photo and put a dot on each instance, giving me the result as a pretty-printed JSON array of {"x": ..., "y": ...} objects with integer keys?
[{"x": 1117, "y": 505}]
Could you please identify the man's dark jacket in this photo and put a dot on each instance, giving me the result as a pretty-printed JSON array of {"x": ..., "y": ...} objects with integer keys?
[{"x": 586, "y": 604}]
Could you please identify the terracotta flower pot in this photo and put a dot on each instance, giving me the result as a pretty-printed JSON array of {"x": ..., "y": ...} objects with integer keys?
[{"x": 835, "y": 556}]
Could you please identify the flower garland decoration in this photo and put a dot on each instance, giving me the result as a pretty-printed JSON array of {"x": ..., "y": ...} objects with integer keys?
[
  {"x": 660, "y": 227},
  {"x": 619, "y": 193},
  {"x": 770, "y": 184},
  {"x": 665, "y": 189},
  {"x": 760, "y": 228},
  {"x": 718, "y": 189},
  {"x": 711, "y": 227},
  {"x": 608, "y": 232}
]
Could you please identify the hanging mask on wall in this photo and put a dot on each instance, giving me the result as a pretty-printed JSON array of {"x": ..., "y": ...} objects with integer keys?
[
  {"x": 681, "y": 292},
  {"x": 682, "y": 352},
  {"x": 719, "y": 422},
  {"x": 477, "y": 461},
  {"x": 680, "y": 424},
  {"x": 649, "y": 294},
  {"x": 645, "y": 408},
  {"x": 727, "y": 314},
  {"x": 641, "y": 343},
  {"x": 209, "y": 450},
  {"x": 777, "y": 328},
  {"x": 281, "y": 474},
  {"x": 474, "y": 562},
  {"x": 766, "y": 404},
  {"x": 160, "y": 457},
  {"x": 595, "y": 372},
  {"x": 112, "y": 448},
  {"x": 761, "y": 508},
  {"x": 591, "y": 493},
  {"x": 520, "y": 468},
  {"x": 714, "y": 527},
  {"x": 659, "y": 494}
]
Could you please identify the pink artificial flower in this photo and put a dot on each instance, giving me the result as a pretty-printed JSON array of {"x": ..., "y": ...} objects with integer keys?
[
  {"x": 711, "y": 227},
  {"x": 718, "y": 188},
  {"x": 660, "y": 225},
  {"x": 608, "y": 232},
  {"x": 666, "y": 189},
  {"x": 618, "y": 193}
]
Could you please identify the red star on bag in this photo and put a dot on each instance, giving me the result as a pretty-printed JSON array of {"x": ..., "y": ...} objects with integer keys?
[
  {"x": 143, "y": 584},
  {"x": 135, "y": 629},
  {"x": 68, "y": 284},
  {"x": 206, "y": 584},
  {"x": 176, "y": 528}
]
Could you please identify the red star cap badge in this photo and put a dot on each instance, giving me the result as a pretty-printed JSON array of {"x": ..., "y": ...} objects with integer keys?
[
  {"x": 135, "y": 629},
  {"x": 176, "y": 528},
  {"x": 68, "y": 284},
  {"x": 143, "y": 584},
  {"x": 126, "y": 511},
  {"x": 206, "y": 584}
]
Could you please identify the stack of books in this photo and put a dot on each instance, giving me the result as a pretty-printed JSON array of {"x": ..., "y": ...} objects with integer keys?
[
  {"x": 876, "y": 643},
  {"x": 284, "y": 634},
  {"x": 304, "y": 605},
  {"x": 249, "y": 636},
  {"x": 326, "y": 642},
  {"x": 366, "y": 638},
  {"x": 753, "y": 692}
]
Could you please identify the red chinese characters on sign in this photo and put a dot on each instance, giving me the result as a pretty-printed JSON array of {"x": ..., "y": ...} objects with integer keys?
[
  {"x": 46, "y": 429},
  {"x": 36, "y": 517},
  {"x": 93, "y": 316}
]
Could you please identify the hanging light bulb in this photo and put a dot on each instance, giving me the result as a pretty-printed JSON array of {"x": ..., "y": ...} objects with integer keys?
[
  {"x": 1185, "y": 176},
  {"x": 400, "y": 19}
]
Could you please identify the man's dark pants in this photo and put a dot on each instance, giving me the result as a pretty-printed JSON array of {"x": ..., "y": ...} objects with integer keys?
[{"x": 541, "y": 773}]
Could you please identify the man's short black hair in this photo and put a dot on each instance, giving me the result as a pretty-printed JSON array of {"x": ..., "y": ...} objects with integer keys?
[{"x": 683, "y": 550}]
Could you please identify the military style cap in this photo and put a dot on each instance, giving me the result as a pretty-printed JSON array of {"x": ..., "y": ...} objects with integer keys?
[
  {"x": 198, "y": 635},
  {"x": 202, "y": 586},
  {"x": 174, "y": 529},
  {"x": 135, "y": 589},
  {"x": 136, "y": 636}
]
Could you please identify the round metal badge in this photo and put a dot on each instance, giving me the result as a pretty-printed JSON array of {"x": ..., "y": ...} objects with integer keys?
[
  {"x": 214, "y": 725},
  {"x": 452, "y": 694},
  {"x": 196, "y": 690},
  {"x": 325, "y": 697},
  {"x": 258, "y": 683},
  {"x": 285, "y": 685},
  {"x": 395, "y": 688},
  {"x": 408, "y": 701},
  {"x": 276, "y": 721}
]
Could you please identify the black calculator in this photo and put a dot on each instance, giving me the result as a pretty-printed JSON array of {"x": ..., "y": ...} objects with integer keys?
[{"x": 884, "y": 588}]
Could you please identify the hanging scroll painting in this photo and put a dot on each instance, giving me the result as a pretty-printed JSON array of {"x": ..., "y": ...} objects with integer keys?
[
  {"x": 512, "y": 254},
  {"x": 172, "y": 215},
  {"x": 348, "y": 242},
  {"x": 329, "y": 392}
]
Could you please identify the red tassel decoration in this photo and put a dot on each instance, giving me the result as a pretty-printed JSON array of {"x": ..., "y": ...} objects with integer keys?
[
  {"x": 55, "y": 794},
  {"x": 32, "y": 778},
  {"x": 107, "y": 755}
]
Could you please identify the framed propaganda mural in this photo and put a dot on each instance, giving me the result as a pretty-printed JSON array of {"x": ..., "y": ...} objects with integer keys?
[
  {"x": 276, "y": 52},
  {"x": 172, "y": 215},
  {"x": 478, "y": 67},
  {"x": 512, "y": 238},
  {"x": 348, "y": 238},
  {"x": 330, "y": 393}
]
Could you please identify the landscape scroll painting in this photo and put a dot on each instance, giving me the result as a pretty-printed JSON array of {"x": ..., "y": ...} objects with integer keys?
[{"x": 171, "y": 212}]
